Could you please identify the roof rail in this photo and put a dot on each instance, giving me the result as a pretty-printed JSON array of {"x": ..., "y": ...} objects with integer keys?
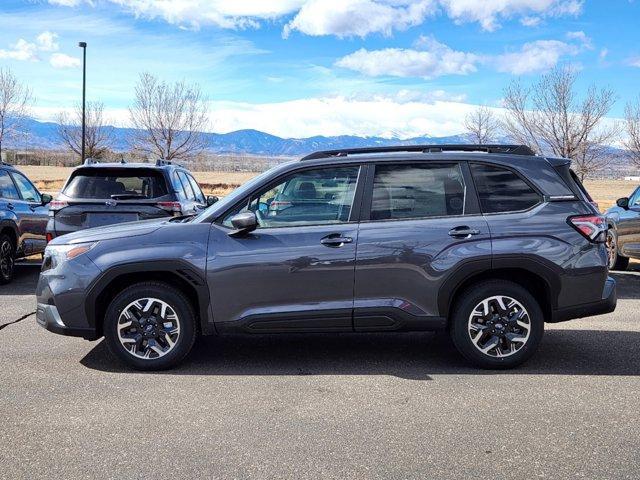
[
  {"x": 90, "y": 161},
  {"x": 162, "y": 162},
  {"x": 493, "y": 148}
]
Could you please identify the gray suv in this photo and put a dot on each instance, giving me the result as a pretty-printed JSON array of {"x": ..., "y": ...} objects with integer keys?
[{"x": 487, "y": 242}]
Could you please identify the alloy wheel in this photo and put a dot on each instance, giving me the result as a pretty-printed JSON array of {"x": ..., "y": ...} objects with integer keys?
[
  {"x": 612, "y": 249},
  {"x": 148, "y": 328},
  {"x": 6, "y": 259},
  {"x": 499, "y": 326}
]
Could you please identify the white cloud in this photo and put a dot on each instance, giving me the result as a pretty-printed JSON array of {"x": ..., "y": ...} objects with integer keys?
[
  {"x": 358, "y": 18},
  {"x": 534, "y": 57},
  {"x": 634, "y": 61},
  {"x": 433, "y": 60},
  {"x": 342, "y": 18},
  {"x": 47, "y": 41},
  {"x": 61, "y": 60},
  {"x": 21, "y": 50},
  {"x": 488, "y": 13},
  {"x": 582, "y": 38}
]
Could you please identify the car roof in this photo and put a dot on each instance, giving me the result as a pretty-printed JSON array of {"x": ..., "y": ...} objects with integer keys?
[{"x": 152, "y": 166}]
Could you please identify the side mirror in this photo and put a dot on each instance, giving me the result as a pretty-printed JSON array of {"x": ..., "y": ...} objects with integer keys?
[
  {"x": 211, "y": 199},
  {"x": 623, "y": 203},
  {"x": 244, "y": 222},
  {"x": 45, "y": 198}
]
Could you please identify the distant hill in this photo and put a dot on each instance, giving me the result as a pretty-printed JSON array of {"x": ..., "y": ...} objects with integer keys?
[{"x": 44, "y": 135}]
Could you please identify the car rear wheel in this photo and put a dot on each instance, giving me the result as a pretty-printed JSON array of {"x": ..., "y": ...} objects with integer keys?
[
  {"x": 497, "y": 324},
  {"x": 616, "y": 262},
  {"x": 7, "y": 258},
  {"x": 150, "y": 326}
]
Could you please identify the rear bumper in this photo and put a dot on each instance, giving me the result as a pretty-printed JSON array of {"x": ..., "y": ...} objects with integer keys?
[
  {"x": 48, "y": 317},
  {"x": 606, "y": 304}
]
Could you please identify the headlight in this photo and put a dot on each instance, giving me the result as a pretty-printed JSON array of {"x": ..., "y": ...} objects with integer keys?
[{"x": 54, "y": 255}]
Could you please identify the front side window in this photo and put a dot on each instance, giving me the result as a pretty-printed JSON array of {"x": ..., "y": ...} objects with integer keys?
[
  {"x": 199, "y": 196},
  {"x": 7, "y": 187},
  {"x": 500, "y": 190},
  {"x": 417, "y": 191},
  {"x": 27, "y": 190},
  {"x": 311, "y": 197},
  {"x": 187, "y": 186},
  {"x": 122, "y": 184}
]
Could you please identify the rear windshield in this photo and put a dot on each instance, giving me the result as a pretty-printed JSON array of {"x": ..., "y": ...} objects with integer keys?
[{"x": 117, "y": 183}]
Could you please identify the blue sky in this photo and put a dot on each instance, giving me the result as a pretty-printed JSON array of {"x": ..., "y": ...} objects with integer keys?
[{"x": 306, "y": 67}]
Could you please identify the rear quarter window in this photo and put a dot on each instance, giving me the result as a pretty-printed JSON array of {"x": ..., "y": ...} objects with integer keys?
[
  {"x": 116, "y": 183},
  {"x": 500, "y": 190}
]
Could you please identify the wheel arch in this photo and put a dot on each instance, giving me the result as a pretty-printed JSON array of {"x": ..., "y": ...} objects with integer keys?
[
  {"x": 178, "y": 274},
  {"x": 535, "y": 277},
  {"x": 9, "y": 227}
]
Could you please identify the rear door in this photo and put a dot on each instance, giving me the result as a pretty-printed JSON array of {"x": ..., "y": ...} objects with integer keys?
[
  {"x": 32, "y": 215},
  {"x": 420, "y": 224},
  {"x": 628, "y": 227}
]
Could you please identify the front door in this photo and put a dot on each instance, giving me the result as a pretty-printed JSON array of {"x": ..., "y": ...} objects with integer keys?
[
  {"x": 32, "y": 215},
  {"x": 295, "y": 272},
  {"x": 629, "y": 227},
  {"x": 421, "y": 224}
]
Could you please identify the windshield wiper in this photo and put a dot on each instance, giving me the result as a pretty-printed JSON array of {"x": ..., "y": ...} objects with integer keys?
[
  {"x": 182, "y": 218},
  {"x": 127, "y": 196}
]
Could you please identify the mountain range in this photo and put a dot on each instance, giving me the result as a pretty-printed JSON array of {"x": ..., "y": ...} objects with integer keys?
[{"x": 44, "y": 135}]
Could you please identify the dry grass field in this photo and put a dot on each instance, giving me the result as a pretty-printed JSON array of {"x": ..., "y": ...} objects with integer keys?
[{"x": 51, "y": 179}]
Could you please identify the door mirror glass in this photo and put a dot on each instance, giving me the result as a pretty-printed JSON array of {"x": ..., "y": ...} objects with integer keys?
[
  {"x": 211, "y": 199},
  {"x": 623, "y": 202},
  {"x": 244, "y": 222},
  {"x": 46, "y": 198}
]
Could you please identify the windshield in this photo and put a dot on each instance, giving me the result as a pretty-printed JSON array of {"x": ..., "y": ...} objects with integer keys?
[{"x": 116, "y": 183}]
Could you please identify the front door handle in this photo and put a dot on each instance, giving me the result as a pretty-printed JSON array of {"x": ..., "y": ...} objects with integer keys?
[
  {"x": 335, "y": 240},
  {"x": 10, "y": 206},
  {"x": 463, "y": 232}
]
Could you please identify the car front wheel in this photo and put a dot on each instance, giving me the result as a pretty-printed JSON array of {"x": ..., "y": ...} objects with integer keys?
[
  {"x": 497, "y": 324},
  {"x": 150, "y": 326},
  {"x": 7, "y": 259},
  {"x": 616, "y": 261}
]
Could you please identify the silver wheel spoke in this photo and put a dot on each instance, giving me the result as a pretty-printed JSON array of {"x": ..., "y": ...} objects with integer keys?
[
  {"x": 502, "y": 322},
  {"x": 148, "y": 328}
]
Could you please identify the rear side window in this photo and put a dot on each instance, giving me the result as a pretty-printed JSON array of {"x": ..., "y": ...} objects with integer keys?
[
  {"x": 116, "y": 183},
  {"x": 196, "y": 189},
  {"x": 500, "y": 190},
  {"x": 186, "y": 185},
  {"x": 7, "y": 188},
  {"x": 417, "y": 191}
]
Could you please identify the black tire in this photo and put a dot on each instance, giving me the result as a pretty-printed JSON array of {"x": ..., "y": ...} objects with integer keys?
[
  {"x": 616, "y": 261},
  {"x": 7, "y": 258},
  {"x": 460, "y": 325},
  {"x": 176, "y": 300}
]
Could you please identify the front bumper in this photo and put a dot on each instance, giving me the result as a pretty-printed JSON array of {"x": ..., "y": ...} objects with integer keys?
[
  {"x": 48, "y": 317},
  {"x": 606, "y": 304}
]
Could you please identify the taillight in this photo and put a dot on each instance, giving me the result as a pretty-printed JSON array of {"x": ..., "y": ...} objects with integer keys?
[
  {"x": 592, "y": 227},
  {"x": 55, "y": 205},
  {"x": 173, "y": 207},
  {"x": 49, "y": 236}
]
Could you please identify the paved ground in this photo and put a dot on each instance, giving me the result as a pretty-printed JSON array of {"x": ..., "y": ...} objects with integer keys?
[{"x": 315, "y": 406}]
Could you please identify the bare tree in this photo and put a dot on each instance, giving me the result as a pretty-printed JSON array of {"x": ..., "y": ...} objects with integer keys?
[
  {"x": 169, "y": 119},
  {"x": 98, "y": 136},
  {"x": 632, "y": 123},
  {"x": 549, "y": 118},
  {"x": 482, "y": 125},
  {"x": 15, "y": 100}
]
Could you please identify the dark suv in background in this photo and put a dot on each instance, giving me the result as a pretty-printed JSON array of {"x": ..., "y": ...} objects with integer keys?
[
  {"x": 98, "y": 194},
  {"x": 487, "y": 242},
  {"x": 23, "y": 219}
]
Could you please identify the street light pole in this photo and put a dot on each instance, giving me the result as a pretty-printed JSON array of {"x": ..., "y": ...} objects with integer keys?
[{"x": 83, "y": 45}]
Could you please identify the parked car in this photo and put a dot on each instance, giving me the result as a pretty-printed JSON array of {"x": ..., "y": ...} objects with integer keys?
[
  {"x": 487, "y": 242},
  {"x": 23, "y": 219},
  {"x": 98, "y": 194},
  {"x": 623, "y": 237}
]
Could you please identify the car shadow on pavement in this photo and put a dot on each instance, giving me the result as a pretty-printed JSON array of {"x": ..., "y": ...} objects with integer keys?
[
  {"x": 415, "y": 356},
  {"x": 24, "y": 280},
  {"x": 628, "y": 282}
]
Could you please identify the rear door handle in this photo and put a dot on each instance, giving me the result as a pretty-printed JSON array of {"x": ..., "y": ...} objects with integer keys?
[
  {"x": 335, "y": 240},
  {"x": 463, "y": 232},
  {"x": 10, "y": 206}
]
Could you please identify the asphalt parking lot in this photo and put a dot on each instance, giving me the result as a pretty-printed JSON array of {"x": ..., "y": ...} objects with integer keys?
[{"x": 321, "y": 406}]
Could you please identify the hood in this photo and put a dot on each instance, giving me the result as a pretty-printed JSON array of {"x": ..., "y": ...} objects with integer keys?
[{"x": 110, "y": 232}]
